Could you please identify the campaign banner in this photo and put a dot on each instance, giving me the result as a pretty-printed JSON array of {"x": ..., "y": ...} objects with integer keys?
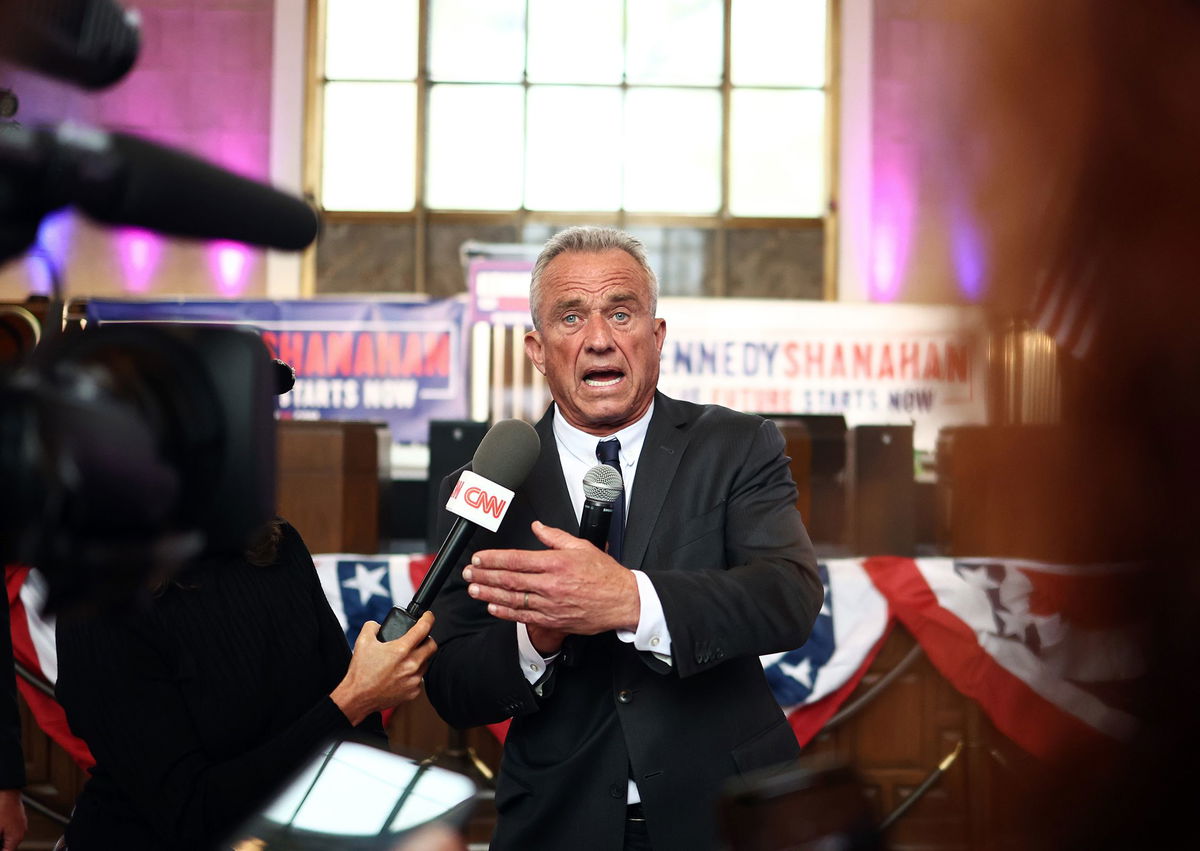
[
  {"x": 403, "y": 363},
  {"x": 875, "y": 364},
  {"x": 499, "y": 289}
]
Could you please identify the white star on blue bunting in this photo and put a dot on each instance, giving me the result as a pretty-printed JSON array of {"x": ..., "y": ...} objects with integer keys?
[
  {"x": 793, "y": 674},
  {"x": 367, "y": 581},
  {"x": 988, "y": 578},
  {"x": 374, "y": 598}
]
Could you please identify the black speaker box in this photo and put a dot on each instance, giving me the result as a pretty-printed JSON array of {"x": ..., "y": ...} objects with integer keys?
[
  {"x": 452, "y": 443},
  {"x": 880, "y": 490},
  {"x": 826, "y": 521}
]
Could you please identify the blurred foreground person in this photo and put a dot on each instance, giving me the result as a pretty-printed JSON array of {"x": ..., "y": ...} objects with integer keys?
[
  {"x": 198, "y": 709},
  {"x": 1081, "y": 134}
]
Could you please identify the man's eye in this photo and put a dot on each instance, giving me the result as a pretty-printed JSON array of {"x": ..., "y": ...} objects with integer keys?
[
  {"x": 621, "y": 316},
  {"x": 571, "y": 318}
]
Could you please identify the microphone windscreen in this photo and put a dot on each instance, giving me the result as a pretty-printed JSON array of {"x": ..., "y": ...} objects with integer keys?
[
  {"x": 92, "y": 43},
  {"x": 507, "y": 453},
  {"x": 602, "y": 483},
  {"x": 172, "y": 192}
]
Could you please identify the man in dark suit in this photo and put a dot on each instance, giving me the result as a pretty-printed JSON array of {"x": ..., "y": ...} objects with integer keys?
[{"x": 634, "y": 682}]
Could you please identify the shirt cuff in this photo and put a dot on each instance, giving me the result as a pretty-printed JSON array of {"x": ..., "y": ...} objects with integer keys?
[
  {"x": 533, "y": 664},
  {"x": 651, "y": 635}
]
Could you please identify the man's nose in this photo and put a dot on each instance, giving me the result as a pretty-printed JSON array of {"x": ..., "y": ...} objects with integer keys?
[{"x": 599, "y": 336}]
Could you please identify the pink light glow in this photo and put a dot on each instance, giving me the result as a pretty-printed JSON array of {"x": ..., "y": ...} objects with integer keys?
[
  {"x": 891, "y": 232},
  {"x": 230, "y": 262},
  {"x": 139, "y": 252}
]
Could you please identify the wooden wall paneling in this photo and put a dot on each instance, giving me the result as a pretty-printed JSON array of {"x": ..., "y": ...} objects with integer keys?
[
  {"x": 329, "y": 484},
  {"x": 898, "y": 739},
  {"x": 53, "y": 779},
  {"x": 798, "y": 446},
  {"x": 894, "y": 743}
]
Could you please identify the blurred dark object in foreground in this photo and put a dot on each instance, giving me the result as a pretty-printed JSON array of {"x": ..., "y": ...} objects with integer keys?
[
  {"x": 127, "y": 450},
  {"x": 809, "y": 805},
  {"x": 1077, "y": 130},
  {"x": 91, "y": 43},
  {"x": 355, "y": 795}
]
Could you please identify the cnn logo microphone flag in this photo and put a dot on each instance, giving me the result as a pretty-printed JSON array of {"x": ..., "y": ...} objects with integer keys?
[{"x": 480, "y": 501}]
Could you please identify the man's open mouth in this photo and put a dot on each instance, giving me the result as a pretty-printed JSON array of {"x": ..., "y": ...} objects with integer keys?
[{"x": 603, "y": 378}]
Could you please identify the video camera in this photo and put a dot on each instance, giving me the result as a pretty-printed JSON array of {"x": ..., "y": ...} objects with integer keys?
[{"x": 126, "y": 451}]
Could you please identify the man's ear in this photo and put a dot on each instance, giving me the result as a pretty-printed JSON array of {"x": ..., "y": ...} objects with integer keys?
[{"x": 534, "y": 350}]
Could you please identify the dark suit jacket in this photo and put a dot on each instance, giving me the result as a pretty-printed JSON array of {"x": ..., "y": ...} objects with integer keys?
[{"x": 713, "y": 522}]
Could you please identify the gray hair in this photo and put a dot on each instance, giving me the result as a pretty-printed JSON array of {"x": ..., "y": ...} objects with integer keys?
[{"x": 591, "y": 240}]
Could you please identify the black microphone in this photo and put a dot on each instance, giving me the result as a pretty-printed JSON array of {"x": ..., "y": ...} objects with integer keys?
[
  {"x": 602, "y": 486},
  {"x": 120, "y": 179},
  {"x": 92, "y": 43},
  {"x": 284, "y": 374},
  {"x": 480, "y": 498}
]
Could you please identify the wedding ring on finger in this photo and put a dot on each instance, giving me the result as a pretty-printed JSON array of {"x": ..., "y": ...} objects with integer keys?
[{"x": 525, "y": 601}]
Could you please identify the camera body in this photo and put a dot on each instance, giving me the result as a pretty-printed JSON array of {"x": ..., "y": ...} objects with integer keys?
[
  {"x": 128, "y": 450},
  {"x": 131, "y": 449}
]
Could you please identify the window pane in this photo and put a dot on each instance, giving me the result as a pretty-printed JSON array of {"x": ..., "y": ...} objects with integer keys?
[
  {"x": 778, "y": 43},
  {"x": 680, "y": 257},
  {"x": 776, "y": 153},
  {"x": 471, "y": 41},
  {"x": 573, "y": 152},
  {"x": 371, "y": 40},
  {"x": 369, "y": 147},
  {"x": 575, "y": 41},
  {"x": 475, "y": 147},
  {"x": 674, "y": 42},
  {"x": 673, "y": 150}
]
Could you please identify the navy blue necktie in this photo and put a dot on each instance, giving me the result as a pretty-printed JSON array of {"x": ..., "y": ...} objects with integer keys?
[{"x": 609, "y": 452}]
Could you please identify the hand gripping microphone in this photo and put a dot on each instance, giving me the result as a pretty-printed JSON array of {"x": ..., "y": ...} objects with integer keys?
[
  {"x": 602, "y": 486},
  {"x": 480, "y": 498}
]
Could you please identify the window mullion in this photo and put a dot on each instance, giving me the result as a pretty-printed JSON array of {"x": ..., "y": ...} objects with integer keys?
[
  {"x": 720, "y": 235},
  {"x": 524, "y": 210},
  {"x": 420, "y": 235}
]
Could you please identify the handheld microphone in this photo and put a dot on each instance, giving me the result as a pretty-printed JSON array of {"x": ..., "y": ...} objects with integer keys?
[
  {"x": 602, "y": 486},
  {"x": 285, "y": 376},
  {"x": 120, "y": 179},
  {"x": 480, "y": 498}
]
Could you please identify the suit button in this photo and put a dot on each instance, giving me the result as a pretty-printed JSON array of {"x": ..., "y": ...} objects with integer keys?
[
  {"x": 618, "y": 791},
  {"x": 624, "y": 696}
]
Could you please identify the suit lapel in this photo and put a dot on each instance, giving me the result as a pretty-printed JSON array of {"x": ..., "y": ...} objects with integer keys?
[{"x": 662, "y": 450}]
